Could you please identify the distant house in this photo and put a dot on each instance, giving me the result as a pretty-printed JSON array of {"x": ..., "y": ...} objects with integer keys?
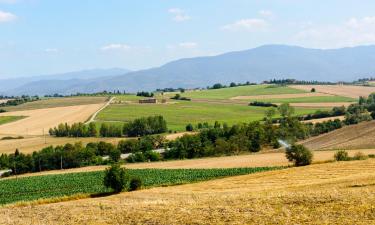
[{"x": 148, "y": 101}]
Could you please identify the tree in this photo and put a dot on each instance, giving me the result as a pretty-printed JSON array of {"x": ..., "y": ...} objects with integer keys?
[
  {"x": 299, "y": 155},
  {"x": 341, "y": 155},
  {"x": 189, "y": 127},
  {"x": 92, "y": 132},
  {"x": 115, "y": 178},
  {"x": 313, "y": 90},
  {"x": 286, "y": 110}
]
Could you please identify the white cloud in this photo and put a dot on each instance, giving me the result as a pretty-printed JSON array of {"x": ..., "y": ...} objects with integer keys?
[
  {"x": 115, "y": 47},
  {"x": 51, "y": 50},
  {"x": 6, "y": 17},
  {"x": 179, "y": 15},
  {"x": 252, "y": 24},
  {"x": 266, "y": 13},
  {"x": 354, "y": 31},
  {"x": 188, "y": 45}
]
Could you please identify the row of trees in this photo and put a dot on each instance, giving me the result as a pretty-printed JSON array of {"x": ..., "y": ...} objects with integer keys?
[
  {"x": 145, "y": 94},
  {"x": 138, "y": 127},
  {"x": 19, "y": 100}
]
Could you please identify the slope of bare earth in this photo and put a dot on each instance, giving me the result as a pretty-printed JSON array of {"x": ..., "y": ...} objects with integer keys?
[
  {"x": 359, "y": 136},
  {"x": 332, "y": 193},
  {"x": 253, "y": 160},
  {"x": 281, "y": 96},
  {"x": 46, "y": 118},
  {"x": 350, "y": 91}
]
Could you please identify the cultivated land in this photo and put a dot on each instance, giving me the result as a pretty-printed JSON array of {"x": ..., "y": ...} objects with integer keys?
[
  {"x": 45, "y": 118},
  {"x": 56, "y": 102},
  {"x": 181, "y": 113},
  {"x": 267, "y": 159},
  {"x": 9, "y": 119},
  {"x": 359, "y": 136},
  {"x": 332, "y": 193},
  {"x": 350, "y": 91}
]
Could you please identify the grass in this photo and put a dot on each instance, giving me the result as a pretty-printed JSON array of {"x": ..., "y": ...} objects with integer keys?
[
  {"x": 9, "y": 119},
  {"x": 180, "y": 114},
  {"x": 63, "y": 185},
  {"x": 227, "y": 93},
  {"x": 56, "y": 102}
]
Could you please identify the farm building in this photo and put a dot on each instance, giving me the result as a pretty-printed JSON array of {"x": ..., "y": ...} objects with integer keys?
[{"x": 148, "y": 101}]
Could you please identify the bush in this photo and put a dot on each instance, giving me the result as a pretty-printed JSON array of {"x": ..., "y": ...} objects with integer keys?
[
  {"x": 360, "y": 156},
  {"x": 135, "y": 184},
  {"x": 262, "y": 104},
  {"x": 313, "y": 90},
  {"x": 115, "y": 178},
  {"x": 299, "y": 155},
  {"x": 189, "y": 127},
  {"x": 341, "y": 155}
]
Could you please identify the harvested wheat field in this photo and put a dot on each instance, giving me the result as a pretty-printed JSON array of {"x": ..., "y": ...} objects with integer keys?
[
  {"x": 281, "y": 96},
  {"x": 313, "y": 121},
  {"x": 40, "y": 119},
  {"x": 332, "y": 193},
  {"x": 253, "y": 160},
  {"x": 359, "y": 136},
  {"x": 350, "y": 91}
]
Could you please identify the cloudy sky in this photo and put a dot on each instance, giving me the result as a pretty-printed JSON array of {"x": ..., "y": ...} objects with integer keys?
[{"x": 46, "y": 36}]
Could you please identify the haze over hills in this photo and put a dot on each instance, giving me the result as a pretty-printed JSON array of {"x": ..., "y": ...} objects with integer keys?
[{"x": 254, "y": 65}]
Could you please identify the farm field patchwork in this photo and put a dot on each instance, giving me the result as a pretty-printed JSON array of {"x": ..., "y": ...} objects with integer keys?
[
  {"x": 181, "y": 113},
  {"x": 227, "y": 93},
  {"x": 349, "y": 91},
  {"x": 332, "y": 193},
  {"x": 56, "y": 102},
  {"x": 54, "y": 186}
]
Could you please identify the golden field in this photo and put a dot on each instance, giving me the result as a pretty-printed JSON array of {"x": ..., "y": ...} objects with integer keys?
[{"x": 331, "y": 193}]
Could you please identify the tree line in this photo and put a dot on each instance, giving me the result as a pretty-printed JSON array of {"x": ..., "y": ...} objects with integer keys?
[
  {"x": 19, "y": 100},
  {"x": 138, "y": 127}
]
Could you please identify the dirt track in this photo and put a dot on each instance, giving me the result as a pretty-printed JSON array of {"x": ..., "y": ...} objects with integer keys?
[
  {"x": 40, "y": 119},
  {"x": 350, "y": 91},
  {"x": 321, "y": 104}
]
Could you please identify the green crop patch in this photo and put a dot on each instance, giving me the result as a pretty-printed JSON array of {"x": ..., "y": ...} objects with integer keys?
[
  {"x": 69, "y": 184},
  {"x": 9, "y": 119}
]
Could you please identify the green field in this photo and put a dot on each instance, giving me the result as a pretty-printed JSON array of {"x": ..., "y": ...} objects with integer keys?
[
  {"x": 227, "y": 93},
  {"x": 8, "y": 119},
  {"x": 56, "y": 102},
  {"x": 55, "y": 186},
  {"x": 178, "y": 115}
]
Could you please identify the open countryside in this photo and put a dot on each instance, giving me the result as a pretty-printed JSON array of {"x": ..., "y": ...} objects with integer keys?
[{"x": 157, "y": 112}]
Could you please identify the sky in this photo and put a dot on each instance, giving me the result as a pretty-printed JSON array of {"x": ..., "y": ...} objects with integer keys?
[{"x": 40, "y": 37}]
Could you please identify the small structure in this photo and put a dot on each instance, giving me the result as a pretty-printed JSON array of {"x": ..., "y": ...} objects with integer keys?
[{"x": 148, "y": 101}]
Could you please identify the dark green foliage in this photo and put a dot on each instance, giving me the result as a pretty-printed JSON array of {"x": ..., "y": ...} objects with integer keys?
[
  {"x": 341, "y": 155},
  {"x": 135, "y": 184},
  {"x": 262, "y": 104},
  {"x": 299, "y": 155},
  {"x": 115, "y": 178},
  {"x": 20, "y": 100},
  {"x": 145, "y": 126},
  {"x": 189, "y": 127},
  {"x": 313, "y": 90},
  {"x": 179, "y": 97},
  {"x": 145, "y": 94}
]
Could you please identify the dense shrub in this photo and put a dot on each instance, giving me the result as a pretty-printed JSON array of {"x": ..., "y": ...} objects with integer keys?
[
  {"x": 145, "y": 94},
  {"x": 360, "y": 156},
  {"x": 189, "y": 127},
  {"x": 341, "y": 155},
  {"x": 299, "y": 155},
  {"x": 262, "y": 104},
  {"x": 115, "y": 178},
  {"x": 135, "y": 184}
]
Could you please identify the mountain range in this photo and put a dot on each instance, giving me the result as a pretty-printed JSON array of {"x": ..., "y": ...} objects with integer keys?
[{"x": 254, "y": 65}]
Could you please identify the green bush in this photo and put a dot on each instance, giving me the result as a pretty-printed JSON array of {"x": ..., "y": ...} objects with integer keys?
[
  {"x": 299, "y": 155},
  {"x": 115, "y": 178},
  {"x": 135, "y": 184},
  {"x": 360, "y": 156},
  {"x": 341, "y": 155}
]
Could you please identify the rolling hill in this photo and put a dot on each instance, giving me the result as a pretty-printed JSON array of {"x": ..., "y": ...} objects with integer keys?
[{"x": 254, "y": 65}]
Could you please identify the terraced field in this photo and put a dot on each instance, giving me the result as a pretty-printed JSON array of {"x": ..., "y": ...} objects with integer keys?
[{"x": 333, "y": 193}]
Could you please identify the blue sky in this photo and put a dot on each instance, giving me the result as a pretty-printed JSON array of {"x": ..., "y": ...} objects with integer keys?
[{"x": 50, "y": 36}]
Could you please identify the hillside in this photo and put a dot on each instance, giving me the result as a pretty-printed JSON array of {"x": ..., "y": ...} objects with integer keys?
[
  {"x": 360, "y": 136},
  {"x": 332, "y": 193},
  {"x": 254, "y": 65}
]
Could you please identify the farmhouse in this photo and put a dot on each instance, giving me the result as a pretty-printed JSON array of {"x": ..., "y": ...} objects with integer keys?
[{"x": 148, "y": 100}]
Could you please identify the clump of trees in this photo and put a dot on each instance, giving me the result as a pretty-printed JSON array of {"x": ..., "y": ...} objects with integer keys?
[
  {"x": 179, "y": 97},
  {"x": 262, "y": 104},
  {"x": 19, "y": 100},
  {"x": 138, "y": 127},
  {"x": 116, "y": 178},
  {"x": 145, "y": 94}
]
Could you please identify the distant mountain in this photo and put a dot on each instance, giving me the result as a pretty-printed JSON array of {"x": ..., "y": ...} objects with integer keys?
[
  {"x": 254, "y": 65},
  {"x": 45, "y": 84}
]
